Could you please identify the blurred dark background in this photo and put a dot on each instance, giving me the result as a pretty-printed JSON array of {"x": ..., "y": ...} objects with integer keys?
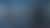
[{"x": 24, "y": 14}]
